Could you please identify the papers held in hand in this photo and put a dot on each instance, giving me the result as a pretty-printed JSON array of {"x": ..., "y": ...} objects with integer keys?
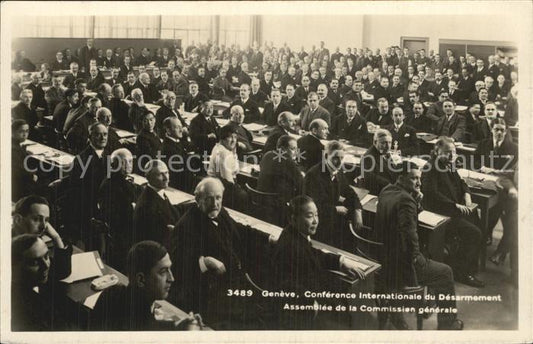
[
  {"x": 431, "y": 219},
  {"x": 350, "y": 278},
  {"x": 85, "y": 265}
]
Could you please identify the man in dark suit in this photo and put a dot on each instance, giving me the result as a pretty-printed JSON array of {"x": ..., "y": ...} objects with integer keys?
[
  {"x": 62, "y": 109},
  {"x": 175, "y": 153},
  {"x": 279, "y": 172},
  {"x": 496, "y": 153},
  {"x": 87, "y": 53},
  {"x": 324, "y": 101},
  {"x": 114, "y": 142},
  {"x": 215, "y": 254},
  {"x": 59, "y": 63},
  {"x": 285, "y": 126},
  {"x": 447, "y": 193},
  {"x": 313, "y": 111},
  {"x": 381, "y": 115},
  {"x": 149, "y": 91},
  {"x": 482, "y": 129},
  {"x": 451, "y": 124},
  {"x": 23, "y": 180},
  {"x": 310, "y": 147},
  {"x": 481, "y": 71},
  {"x": 88, "y": 171},
  {"x": 154, "y": 215},
  {"x": 274, "y": 108},
  {"x": 35, "y": 284},
  {"x": 418, "y": 119},
  {"x": 300, "y": 267},
  {"x": 355, "y": 94},
  {"x": 95, "y": 79},
  {"x": 437, "y": 86},
  {"x": 69, "y": 79},
  {"x": 194, "y": 98},
  {"x": 302, "y": 91},
  {"x": 204, "y": 129},
  {"x": 38, "y": 100},
  {"x": 167, "y": 110},
  {"x": 377, "y": 163},
  {"x": 257, "y": 95},
  {"x": 351, "y": 126},
  {"x": 294, "y": 103},
  {"x": 337, "y": 202},
  {"x": 116, "y": 201},
  {"x": 78, "y": 134},
  {"x": 24, "y": 111},
  {"x": 120, "y": 109},
  {"x": 251, "y": 110},
  {"x": 396, "y": 226},
  {"x": 403, "y": 135}
]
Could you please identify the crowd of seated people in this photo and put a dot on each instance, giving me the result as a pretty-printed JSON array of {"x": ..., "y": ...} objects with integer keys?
[{"x": 373, "y": 100}]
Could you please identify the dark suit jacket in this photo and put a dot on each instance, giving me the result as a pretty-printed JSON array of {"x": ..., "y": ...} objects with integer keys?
[
  {"x": 396, "y": 225},
  {"x": 93, "y": 84},
  {"x": 173, "y": 152},
  {"x": 115, "y": 198},
  {"x": 38, "y": 99},
  {"x": 150, "y": 93},
  {"x": 148, "y": 144},
  {"x": 21, "y": 111},
  {"x": 422, "y": 124},
  {"x": 306, "y": 116},
  {"x": 120, "y": 111},
  {"x": 298, "y": 265},
  {"x": 60, "y": 115},
  {"x": 481, "y": 130},
  {"x": 406, "y": 138},
  {"x": 86, "y": 55},
  {"x": 22, "y": 183},
  {"x": 163, "y": 113},
  {"x": 375, "y": 171},
  {"x": 200, "y": 128},
  {"x": 506, "y": 156},
  {"x": 457, "y": 127},
  {"x": 295, "y": 104},
  {"x": 192, "y": 103},
  {"x": 281, "y": 176},
  {"x": 382, "y": 120},
  {"x": 329, "y": 105},
  {"x": 151, "y": 216},
  {"x": 325, "y": 192},
  {"x": 78, "y": 134},
  {"x": 301, "y": 93},
  {"x": 311, "y": 150},
  {"x": 442, "y": 190},
  {"x": 251, "y": 110},
  {"x": 69, "y": 79},
  {"x": 270, "y": 116},
  {"x": 235, "y": 245},
  {"x": 260, "y": 98},
  {"x": 356, "y": 132},
  {"x": 273, "y": 137}
]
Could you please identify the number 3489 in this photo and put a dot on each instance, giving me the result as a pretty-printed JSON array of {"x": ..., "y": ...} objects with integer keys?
[{"x": 240, "y": 292}]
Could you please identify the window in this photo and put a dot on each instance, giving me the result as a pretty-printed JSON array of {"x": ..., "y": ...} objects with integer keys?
[
  {"x": 126, "y": 27},
  {"x": 186, "y": 28},
  {"x": 235, "y": 30},
  {"x": 42, "y": 27}
]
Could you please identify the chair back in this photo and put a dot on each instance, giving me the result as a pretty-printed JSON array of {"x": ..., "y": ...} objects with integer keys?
[{"x": 267, "y": 206}]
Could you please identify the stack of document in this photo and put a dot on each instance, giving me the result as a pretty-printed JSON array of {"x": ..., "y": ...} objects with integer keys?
[
  {"x": 85, "y": 265},
  {"x": 431, "y": 219},
  {"x": 254, "y": 126}
]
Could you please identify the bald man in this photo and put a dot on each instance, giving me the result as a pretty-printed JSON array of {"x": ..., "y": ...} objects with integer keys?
[
  {"x": 154, "y": 215},
  {"x": 214, "y": 254}
]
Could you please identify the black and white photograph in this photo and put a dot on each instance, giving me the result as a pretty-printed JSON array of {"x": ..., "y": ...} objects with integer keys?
[{"x": 264, "y": 170}]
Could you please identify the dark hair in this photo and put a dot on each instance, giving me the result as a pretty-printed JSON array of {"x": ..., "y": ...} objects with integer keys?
[
  {"x": 17, "y": 124},
  {"x": 19, "y": 245},
  {"x": 405, "y": 167},
  {"x": 283, "y": 141},
  {"x": 143, "y": 256},
  {"x": 226, "y": 131},
  {"x": 23, "y": 205},
  {"x": 296, "y": 204},
  {"x": 70, "y": 92}
]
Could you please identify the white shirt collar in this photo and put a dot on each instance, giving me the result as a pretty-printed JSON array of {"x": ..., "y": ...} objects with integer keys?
[
  {"x": 173, "y": 139},
  {"x": 98, "y": 152}
]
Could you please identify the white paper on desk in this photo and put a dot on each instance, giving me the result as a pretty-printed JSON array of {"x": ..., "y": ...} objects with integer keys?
[
  {"x": 260, "y": 139},
  {"x": 357, "y": 263},
  {"x": 464, "y": 173},
  {"x": 461, "y": 108},
  {"x": 84, "y": 265},
  {"x": 123, "y": 133},
  {"x": 432, "y": 141},
  {"x": 222, "y": 121},
  {"x": 225, "y": 104},
  {"x": 430, "y": 219},
  {"x": 254, "y": 126},
  {"x": 38, "y": 149},
  {"x": 137, "y": 179},
  {"x": 367, "y": 199},
  {"x": 90, "y": 301},
  {"x": 350, "y": 159}
]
